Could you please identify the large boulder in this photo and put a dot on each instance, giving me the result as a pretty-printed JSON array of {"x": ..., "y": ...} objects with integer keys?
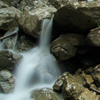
[
  {"x": 31, "y": 22},
  {"x": 7, "y": 16},
  {"x": 6, "y": 81},
  {"x": 78, "y": 17},
  {"x": 64, "y": 47},
  {"x": 45, "y": 94}
]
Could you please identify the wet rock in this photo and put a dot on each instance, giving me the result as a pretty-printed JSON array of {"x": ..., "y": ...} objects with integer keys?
[
  {"x": 71, "y": 88},
  {"x": 45, "y": 94},
  {"x": 88, "y": 78},
  {"x": 88, "y": 95},
  {"x": 64, "y": 48},
  {"x": 6, "y": 81},
  {"x": 93, "y": 38},
  {"x": 24, "y": 44},
  {"x": 96, "y": 75},
  {"x": 7, "y": 16},
  {"x": 59, "y": 83},
  {"x": 6, "y": 56},
  {"x": 77, "y": 17}
]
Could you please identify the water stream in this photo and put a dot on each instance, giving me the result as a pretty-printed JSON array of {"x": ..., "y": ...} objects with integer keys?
[{"x": 37, "y": 69}]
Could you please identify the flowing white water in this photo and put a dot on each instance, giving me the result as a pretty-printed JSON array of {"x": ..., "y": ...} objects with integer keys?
[{"x": 37, "y": 69}]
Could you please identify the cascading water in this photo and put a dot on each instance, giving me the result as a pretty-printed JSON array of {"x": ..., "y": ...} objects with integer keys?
[{"x": 37, "y": 69}]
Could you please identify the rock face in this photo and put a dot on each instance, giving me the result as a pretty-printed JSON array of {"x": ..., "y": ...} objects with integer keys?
[
  {"x": 78, "y": 16},
  {"x": 93, "y": 38},
  {"x": 6, "y": 81},
  {"x": 7, "y": 16},
  {"x": 64, "y": 48}
]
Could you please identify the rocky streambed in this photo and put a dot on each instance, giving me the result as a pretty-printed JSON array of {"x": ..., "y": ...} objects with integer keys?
[{"x": 75, "y": 43}]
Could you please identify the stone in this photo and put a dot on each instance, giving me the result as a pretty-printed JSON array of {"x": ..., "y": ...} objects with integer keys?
[
  {"x": 28, "y": 23},
  {"x": 7, "y": 56},
  {"x": 89, "y": 70},
  {"x": 6, "y": 81},
  {"x": 96, "y": 75},
  {"x": 88, "y": 78},
  {"x": 59, "y": 82},
  {"x": 7, "y": 16},
  {"x": 44, "y": 94},
  {"x": 93, "y": 38},
  {"x": 64, "y": 47},
  {"x": 71, "y": 88},
  {"x": 88, "y": 95},
  {"x": 78, "y": 17}
]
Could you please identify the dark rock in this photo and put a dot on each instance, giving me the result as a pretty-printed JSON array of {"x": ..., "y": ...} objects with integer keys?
[
  {"x": 89, "y": 70},
  {"x": 25, "y": 43},
  {"x": 93, "y": 38},
  {"x": 63, "y": 47},
  {"x": 6, "y": 56},
  {"x": 77, "y": 17}
]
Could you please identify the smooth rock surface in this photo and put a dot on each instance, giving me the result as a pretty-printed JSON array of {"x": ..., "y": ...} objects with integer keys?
[{"x": 64, "y": 47}]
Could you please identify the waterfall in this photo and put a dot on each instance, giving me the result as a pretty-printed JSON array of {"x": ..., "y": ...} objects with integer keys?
[{"x": 37, "y": 69}]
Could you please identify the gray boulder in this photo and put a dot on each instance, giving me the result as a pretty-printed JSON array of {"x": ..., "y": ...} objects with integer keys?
[
  {"x": 6, "y": 81},
  {"x": 7, "y": 16},
  {"x": 29, "y": 23}
]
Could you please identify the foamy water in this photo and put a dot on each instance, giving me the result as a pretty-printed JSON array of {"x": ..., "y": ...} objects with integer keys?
[{"x": 37, "y": 69}]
